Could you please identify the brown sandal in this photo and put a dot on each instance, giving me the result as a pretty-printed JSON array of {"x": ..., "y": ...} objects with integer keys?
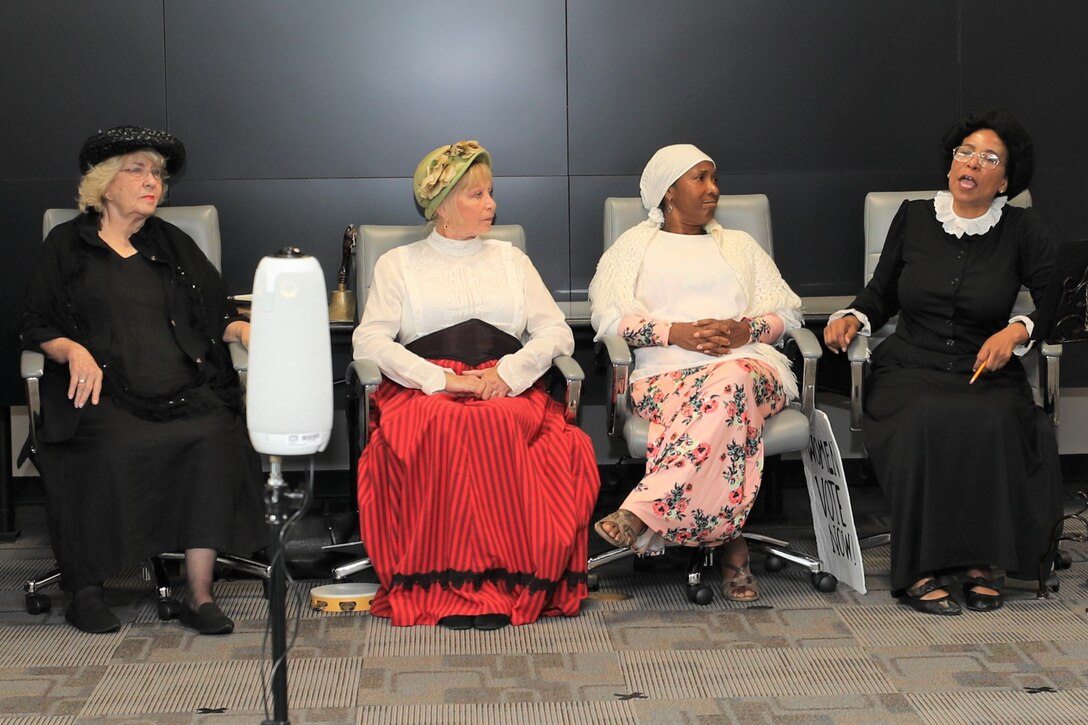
[
  {"x": 742, "y": 579},
  {"x": 625, "y": 528}
]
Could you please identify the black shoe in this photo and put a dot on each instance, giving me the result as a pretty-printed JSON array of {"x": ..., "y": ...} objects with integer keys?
[
  {"x": 207, "y": 619},
  {"x": 88, "y": 612},
  {"x": 457, "y": 622},
  {"x": 977, "y": 601},
  {"x": 945, "y": 605},
  {"x": 490, "y": 622}
]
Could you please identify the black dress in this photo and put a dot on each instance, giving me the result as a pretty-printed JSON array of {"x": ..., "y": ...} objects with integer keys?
[
  {"x": 163, "y": 462},
  {"x": 971, "y": 471}
]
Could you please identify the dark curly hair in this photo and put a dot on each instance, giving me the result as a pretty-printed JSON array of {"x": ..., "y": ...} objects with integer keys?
[{"x": 1021, "y": 163}]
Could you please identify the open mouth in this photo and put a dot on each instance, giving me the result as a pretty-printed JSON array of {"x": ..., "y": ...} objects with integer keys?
[{"x": 968, "y": 182}]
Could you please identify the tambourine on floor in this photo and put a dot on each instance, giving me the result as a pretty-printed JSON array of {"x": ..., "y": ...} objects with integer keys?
[{"x": 346, "y": 597}]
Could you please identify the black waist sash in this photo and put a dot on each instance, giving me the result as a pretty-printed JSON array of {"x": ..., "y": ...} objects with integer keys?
[{"x": 471, "y": 342}]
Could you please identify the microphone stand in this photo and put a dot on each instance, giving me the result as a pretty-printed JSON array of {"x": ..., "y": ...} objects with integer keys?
[{"x": 278, "y": 501}]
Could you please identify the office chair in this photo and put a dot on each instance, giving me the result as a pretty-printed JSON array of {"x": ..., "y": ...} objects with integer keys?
[
  {"x": 363, "y": 376},
  {"x": 783, "y": 432},
  {"x": 202, "y": 224},
  {"x": 880, "y": 208}
]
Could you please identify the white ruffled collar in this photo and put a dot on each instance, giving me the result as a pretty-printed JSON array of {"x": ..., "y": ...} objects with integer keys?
[
  {"x": 957, "y": 225},
  {"x": 454, "y": 247}
]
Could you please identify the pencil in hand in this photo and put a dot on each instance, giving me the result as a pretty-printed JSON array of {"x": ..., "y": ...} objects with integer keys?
[{"x": 977, "y": 373}]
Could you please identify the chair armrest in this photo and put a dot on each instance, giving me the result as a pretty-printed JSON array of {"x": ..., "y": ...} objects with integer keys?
[
  {"x": 239, "y": 356},
  {"x": 363, "y": 375},
  {"x": 1050, "y": 379},
  {"x": 32, "y": 368},
  {"x": 807, "y": 344},
  {"x": 239, "y": 359},
  {"x": 569, "y": 368},
  {"x": 31, "y": 364},
  {"x": 857, "y": 354},
  {"x": 811, "y": 351},
  {"x": 361, "y": 381},
  {"x": 618, "y": 351},
  {"x": 619, "y": 371},
  {"x": 573, "y": 374}
]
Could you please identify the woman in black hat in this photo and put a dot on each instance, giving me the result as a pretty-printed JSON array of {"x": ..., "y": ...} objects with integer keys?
[{"x": 142, "y": 444}]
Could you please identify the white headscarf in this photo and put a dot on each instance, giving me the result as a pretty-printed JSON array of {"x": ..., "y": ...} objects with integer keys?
[{"x": 664, "y": 168}]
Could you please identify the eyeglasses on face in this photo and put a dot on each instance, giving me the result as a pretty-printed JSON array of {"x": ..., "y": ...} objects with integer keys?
[
  {"x": 141, "y": 172},
  {"x": 986, "y": 159}
]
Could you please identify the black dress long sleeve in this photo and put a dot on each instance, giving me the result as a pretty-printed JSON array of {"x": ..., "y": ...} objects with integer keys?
[{"x": 971, "y": 471}]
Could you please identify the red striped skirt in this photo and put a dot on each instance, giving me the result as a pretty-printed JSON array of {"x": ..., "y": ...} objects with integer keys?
[{"x": 475, "y": 507}]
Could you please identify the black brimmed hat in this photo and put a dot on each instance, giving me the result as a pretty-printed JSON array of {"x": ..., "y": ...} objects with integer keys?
[{"x": 126, "y": 139}]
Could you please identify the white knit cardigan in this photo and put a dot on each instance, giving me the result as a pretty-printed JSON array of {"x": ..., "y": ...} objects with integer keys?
[{"x": 612, "y": 290}]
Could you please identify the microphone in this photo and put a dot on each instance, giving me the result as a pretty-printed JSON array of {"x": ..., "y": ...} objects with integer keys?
[{"x": 289, "y": 402}]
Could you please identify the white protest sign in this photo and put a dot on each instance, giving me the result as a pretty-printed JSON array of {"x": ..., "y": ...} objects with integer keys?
[{"x": 832, "y": 517}]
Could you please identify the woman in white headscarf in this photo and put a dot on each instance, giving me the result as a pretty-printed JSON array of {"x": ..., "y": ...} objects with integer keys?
[{"x": 702, "y": 306}]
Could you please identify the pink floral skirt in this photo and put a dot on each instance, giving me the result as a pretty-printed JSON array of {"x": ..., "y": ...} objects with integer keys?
[{"x": 704, "y": 459}]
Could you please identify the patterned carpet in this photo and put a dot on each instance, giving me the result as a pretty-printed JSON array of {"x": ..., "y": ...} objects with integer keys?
[{"x": 640, "y": 654}]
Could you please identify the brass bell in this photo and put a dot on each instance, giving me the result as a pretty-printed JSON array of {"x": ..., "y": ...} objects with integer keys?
[{"x": 342, "y": 303}]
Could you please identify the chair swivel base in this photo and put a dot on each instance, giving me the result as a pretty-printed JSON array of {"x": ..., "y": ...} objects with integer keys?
[
  {"x": 776, "y": 551},
  {"x": 168, "y": 607}
]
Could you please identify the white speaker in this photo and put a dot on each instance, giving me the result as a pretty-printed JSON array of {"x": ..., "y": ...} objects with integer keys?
[{"x": 289, "y": 405}]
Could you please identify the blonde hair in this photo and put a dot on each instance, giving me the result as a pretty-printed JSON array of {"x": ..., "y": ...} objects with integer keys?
[
  {"x": 477, "y": 173},
  {"x": 97, "y": 179}
]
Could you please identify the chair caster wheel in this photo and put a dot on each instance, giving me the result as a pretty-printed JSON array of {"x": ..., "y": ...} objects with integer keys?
[
  {"x": 168, "y": 608},
  {"x": 824, "y": 582},
  {"x": 1063, "y": 560},
  {"x": 774, "y": 563},
  {"x": 593, "y": 582},
  {"x": 37, "y": 604},
  {"x": 700, "y": 594}
]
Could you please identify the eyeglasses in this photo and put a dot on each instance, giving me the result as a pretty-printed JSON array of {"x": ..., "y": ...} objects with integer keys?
[
  {"x": 141, "y": 172},
  {"x": 986, "y": 159}
]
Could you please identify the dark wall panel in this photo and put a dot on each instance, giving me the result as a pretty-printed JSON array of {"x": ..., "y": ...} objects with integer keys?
[
  {"x": 69, "y": 69},
  {"x": 1034, "y": 63},
  {"x": 258, "y": 217},
  {"x": 773, "y": 86},
  {"x": 344, "y": 89}
]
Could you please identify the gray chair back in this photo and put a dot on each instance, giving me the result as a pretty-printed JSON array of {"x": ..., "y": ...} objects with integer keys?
[
  {"x": 374, "y": 240},
  {"x": 747, "y": 212},
  {"x": 199, "y": 222}
]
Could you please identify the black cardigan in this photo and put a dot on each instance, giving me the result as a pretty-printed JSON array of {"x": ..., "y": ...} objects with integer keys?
[{"x": 68, "y": 291}]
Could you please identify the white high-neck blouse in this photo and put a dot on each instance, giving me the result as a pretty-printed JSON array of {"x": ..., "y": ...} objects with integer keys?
[{"x": 439, "y": 282}]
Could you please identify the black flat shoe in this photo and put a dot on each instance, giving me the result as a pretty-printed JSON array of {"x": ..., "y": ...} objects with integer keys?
[
  {"x": 945, "y": 605},
  {"x": 490, "y": 622},
  {"x": 207, "y": 619},
  {"x": 457, "y": 622},
  {"x": 979, "y": 602},
  {"x": 88, "y": 612}
]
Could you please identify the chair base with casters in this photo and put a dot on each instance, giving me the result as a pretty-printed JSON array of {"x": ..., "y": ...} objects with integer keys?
[
  {"x": 785, "y": 431},
  {"x": 168, "y": 606}
]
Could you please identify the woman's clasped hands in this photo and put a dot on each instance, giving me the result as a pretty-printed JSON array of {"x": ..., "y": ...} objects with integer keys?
[
  {"x": 710, "y": 336},
  {"x": 482, "y": 384}
]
